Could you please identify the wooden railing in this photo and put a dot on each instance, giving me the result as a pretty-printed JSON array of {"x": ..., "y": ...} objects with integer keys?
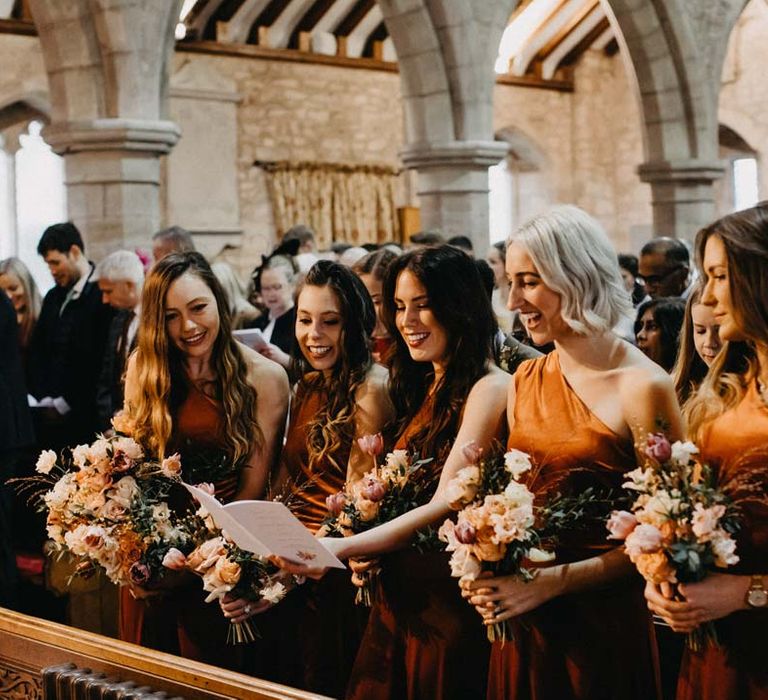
[{"x": 28, "y": 645}]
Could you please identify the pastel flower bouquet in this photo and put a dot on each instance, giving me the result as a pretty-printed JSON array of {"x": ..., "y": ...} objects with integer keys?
[
  {"x": 499, "y": 527},
  {"x": 384, "y": 493},
  {"x": 681, "y": 524},
  {"x": 107, "y": 505},
  {"x": 225, "y": 569}
]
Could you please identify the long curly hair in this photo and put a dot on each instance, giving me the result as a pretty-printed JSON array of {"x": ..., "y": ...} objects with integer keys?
[
  {"x": 334, "y": 425},
  {"x": 162, "y": 381},
  {"x": 458, "y": 301},
  {"x": 745, "y": 237}
]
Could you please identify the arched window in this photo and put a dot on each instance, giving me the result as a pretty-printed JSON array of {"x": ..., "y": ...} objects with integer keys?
[{"x": 739, "y": 187}]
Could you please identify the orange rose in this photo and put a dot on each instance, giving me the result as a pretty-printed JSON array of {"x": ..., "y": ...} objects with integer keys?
[
  {"x": 655, "y": 568},
  {"x": 228, "y": 571}
]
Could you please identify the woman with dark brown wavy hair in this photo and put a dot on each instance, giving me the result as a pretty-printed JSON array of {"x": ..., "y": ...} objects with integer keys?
[
  {"x": 728, "y": 418},
  {"x": 191, "y": 388},
  {"x": 311, "y": 638}
]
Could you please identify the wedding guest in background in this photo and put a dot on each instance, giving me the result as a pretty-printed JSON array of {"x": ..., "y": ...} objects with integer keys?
[
  {"x": 276, "y": 281},
  {"x": 699, "y": 345},
  {"x": 67, "y": 347},
  {"x": 15, "y": 434},
  {"x": 664, "y": 267},
  {"x": 120, "y": 280},
  {"x": 728, "y": 419},
  {"x": 495, "y": 259},
  {"x": 174, "y": 239},
  {"x": 17, "y": 282},
  {"x": 371, "y": 270},
  {"x": 462, "y": 243},
  {"x": 657, "y": 329},
  {"x": 192, "y": 389},
  {"x": 628, "y": 266},
  {"x": 304, "y": 235},
  {"x": 426, "y": 238},
  {"x": 341, "y": 395},
  {"x": 580, "y": 628},
  {"x": 241, "y": 310},
  {"x": 351, "y": 255},
  {"x": 422, "y": 641}
]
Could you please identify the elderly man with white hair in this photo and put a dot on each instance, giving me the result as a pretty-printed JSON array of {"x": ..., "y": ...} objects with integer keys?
[{"x": 120, "y": 279}]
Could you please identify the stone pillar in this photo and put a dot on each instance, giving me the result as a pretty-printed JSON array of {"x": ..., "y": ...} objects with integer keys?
[
  {"x": 10, "y": 145},
  {"x": 453, "y": 186},
  {"x": 112, "y": 175},
  {"x": 107, "y": 65},
  {"x": 682, "y": 196}
]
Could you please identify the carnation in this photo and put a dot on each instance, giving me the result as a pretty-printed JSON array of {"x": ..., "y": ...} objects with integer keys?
[
  {"x": 274, "y": 593},
  {"x": 45, "y": 462}
]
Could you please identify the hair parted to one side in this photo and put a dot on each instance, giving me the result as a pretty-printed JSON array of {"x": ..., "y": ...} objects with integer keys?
[
  {"x": 162, "y": 382},
  {"x": 689, "y": 369},
  {"x": 334, "y": 425},
  {"x": 668, "y": 315},
  {"x": 574, "y": 257},
  {"x": 745, "y": 237},
  {"x": 458, "y": 301},
  {"x": 16, "y": 267}
]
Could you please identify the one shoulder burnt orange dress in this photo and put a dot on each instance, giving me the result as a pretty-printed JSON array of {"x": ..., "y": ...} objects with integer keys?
[
  {"x": 179, "y": 621},
  {"x": 736, "y": 444},
  {"x": 422, "y": 642},
  {"x": 593, "y": 645}
]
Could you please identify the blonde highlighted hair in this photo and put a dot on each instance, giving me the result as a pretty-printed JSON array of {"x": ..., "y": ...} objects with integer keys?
[
  {"x": 574, "y": 257},
  {"x": 162, "y": 384},
  {"x": 34, "y": 301},
  {"x": 745, "y": 237}
]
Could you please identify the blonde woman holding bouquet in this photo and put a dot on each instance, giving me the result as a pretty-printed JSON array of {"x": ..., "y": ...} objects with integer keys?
[
  {"x": 191, "y": 388},
  {"x": 422, "y": 641},
  {"x": 580, "y": 628},
  {"x": 311, "y": 638},
  {"x": 728, "y": 419}
]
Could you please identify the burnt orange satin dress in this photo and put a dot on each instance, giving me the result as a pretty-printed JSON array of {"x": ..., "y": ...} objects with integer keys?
[
  {"x": 593, "y": 645},
  {"x": 179, "y": 621},
  {"x": 422, "y": 642},
  {"x": 736, "y": 444},
  {"x": 311, "y": 638}
]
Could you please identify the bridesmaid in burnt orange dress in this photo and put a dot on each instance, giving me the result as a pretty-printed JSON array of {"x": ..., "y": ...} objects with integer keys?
[
  {"x": 728, "y": 417},
  {"x": 340, "y": 395},
  {"x": 580, "y": 628},
  {"x": 422, "y": 642},
  {"x": 192, "y": 389}
]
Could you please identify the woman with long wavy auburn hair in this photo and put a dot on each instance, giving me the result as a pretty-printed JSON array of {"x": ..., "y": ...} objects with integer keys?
[
  {"x": 728, "y": 418},
  {"x": 340, "y": 395},
  {"x": 422, "y": 640},
  {"x": 580, "y": 628},
  {"x": 191, "y": 388}
]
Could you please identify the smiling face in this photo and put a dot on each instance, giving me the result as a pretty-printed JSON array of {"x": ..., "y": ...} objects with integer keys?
[
  {"x": 319, "y": 326},
  {"x": 424, "y": 335},
  {"x": 191, "y": 316},
  {"x": 538, "y": 305},
  {"x": 648, "y": 336},
  {"x": 717, "y": 291},
  {"x": 12, "y": 286},
  {"x": 706, "y": 335}
]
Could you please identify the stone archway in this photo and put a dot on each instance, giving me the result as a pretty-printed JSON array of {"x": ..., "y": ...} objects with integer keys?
[{"x": 677, "y": 50}]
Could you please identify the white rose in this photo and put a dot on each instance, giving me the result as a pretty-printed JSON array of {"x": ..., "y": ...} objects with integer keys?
[
  {"x": 682, "y": 452},
  {"x": 80, "y": 455},
  {"x": 518, "y": 494},
  {"x": 45, "y": 462},
  {"x": 517, "y": 463},
  {"x": 129, "y": 446},
  {"x": 124, "y": 491},
  {"x": 98, "y": 450},
  {"x": 462, "y": 489},
  {"x": 724, "y": 549}
]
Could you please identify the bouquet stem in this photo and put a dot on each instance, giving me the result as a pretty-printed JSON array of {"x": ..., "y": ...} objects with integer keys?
[
  {"x": 366, "y": 594},
  {"x": 499, "y": 632},
  {"x": 702, "y": 636},
  {"x": 241, "y": 633}
]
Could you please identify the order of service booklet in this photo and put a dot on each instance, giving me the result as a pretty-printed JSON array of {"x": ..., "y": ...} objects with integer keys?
[{"x": 266, "y": 528}]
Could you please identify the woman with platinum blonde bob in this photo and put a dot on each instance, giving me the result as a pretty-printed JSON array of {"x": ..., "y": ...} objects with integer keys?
[{"x": 580, "y": 628}]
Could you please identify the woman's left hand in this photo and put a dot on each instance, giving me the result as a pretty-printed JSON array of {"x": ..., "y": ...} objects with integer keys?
[{"x": 504, "y": 597}]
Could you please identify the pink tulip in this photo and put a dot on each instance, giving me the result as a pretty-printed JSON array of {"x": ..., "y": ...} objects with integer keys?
[
  {"x": 121, "y": 462},
  {"x": 465, "y": 533},
  {"x": 620, "y": 524},
  {"x": 374, "y": 489},
  {"x": 335, "y": 503},
  {"x": 174, "y": 559},
  {"x": 657, "y": 447},
  {"x": 472, "y": 452},
  {"x": 371, "y": 444}
]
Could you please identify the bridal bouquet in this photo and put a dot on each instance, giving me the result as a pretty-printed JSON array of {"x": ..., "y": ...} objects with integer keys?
[
  {"x": 227, "y": 569},
  {"x": 681, "y": 524},
  {"x": 499, "y": 528},
  {"x": 107, "y": 504},
  {"x": 384, "y": 493}
]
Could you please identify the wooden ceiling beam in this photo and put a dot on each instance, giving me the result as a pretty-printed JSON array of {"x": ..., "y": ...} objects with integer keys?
[
  {"x": 576, "y": 19},
  {"x": 354, "y": 17}
]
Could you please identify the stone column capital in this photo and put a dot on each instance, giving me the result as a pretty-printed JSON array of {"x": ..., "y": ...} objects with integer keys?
[
  {"x": 689, "y": 172},
  {"x": 474, "y": 155},
  {"x": 147, "y": 136}
]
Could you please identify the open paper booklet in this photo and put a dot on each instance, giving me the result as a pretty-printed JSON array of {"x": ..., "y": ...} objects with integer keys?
[{"x": 266, "y": 528}]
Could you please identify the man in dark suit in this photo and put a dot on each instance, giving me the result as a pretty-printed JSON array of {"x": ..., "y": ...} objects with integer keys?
[
  {"x": 15, "y": 434},
  {"x": 67, "y": 346},
  {"x": 120, "y": 279}
]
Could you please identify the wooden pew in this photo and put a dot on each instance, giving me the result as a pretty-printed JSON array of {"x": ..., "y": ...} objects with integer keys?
[{"x": 28, "y": 645}]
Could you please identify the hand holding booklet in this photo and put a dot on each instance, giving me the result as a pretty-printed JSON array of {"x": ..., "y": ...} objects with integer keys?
[{"x": 266, "y": 528}]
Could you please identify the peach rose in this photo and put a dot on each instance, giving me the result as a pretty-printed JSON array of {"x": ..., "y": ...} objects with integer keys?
[
  {"x": 228, "y": 571},
  {"x": 620, "y": 524},
  {"x": 655, "y": 567}
]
